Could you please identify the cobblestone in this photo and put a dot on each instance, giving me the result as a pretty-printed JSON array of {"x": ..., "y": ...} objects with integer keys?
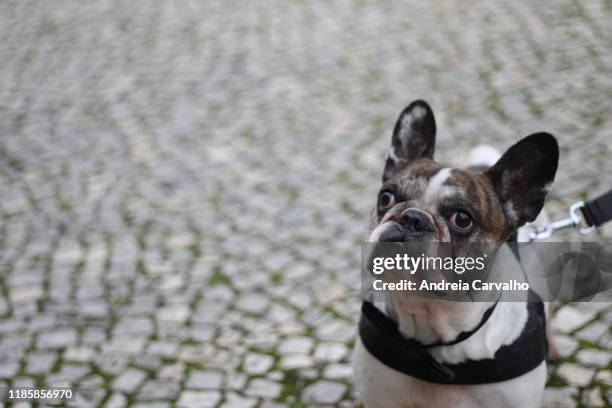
[
  {"x": 294, "y": 361},
  {"x": 295, "y": 345},
  {"x": 593, "y": 398},
  {"x": 57, "y": 339},
  {"x": 205, "y": 380},
  {"x": 605, "y": 377},
  {"x": 575, "y": 374},
  {"x": 260, "y": 387},
  {"x": 559, "y": 398},
  {"x": 9, "y": 369},
  {"x": 129, "y": 380},
  {"x": 594, "y": 358},
  {"x": 338, "y": 372},
  {"x": 257, "y": 363},
  {"x": 116, "y": 401},
  {"x": 158, "y": 390},
  {"x": 40, "y": 363},
  {"x": 185, "y": 187},
  {"x": 163, "y": 349},
  {"x": 69, "y": 373},
  {"x": 570, "y": 318},
  {"x": 233, "y": 400},
  {"x": 566, "y": 345},
  {"x": 324, "y": 392},
  {"x": 199, "y": 399},
  {"x": 80, "y": 354},
  {"x": 331, "y": 351}
]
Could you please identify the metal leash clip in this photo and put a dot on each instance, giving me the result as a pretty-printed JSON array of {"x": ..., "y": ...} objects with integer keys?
[{"x": 574, "y": 220}]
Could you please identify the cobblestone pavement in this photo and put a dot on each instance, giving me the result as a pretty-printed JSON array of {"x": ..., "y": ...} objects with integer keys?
[{"x": 184, "y": 184}]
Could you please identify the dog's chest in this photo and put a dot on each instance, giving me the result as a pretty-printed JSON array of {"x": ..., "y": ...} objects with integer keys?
[{"x": 381, "y": 386}]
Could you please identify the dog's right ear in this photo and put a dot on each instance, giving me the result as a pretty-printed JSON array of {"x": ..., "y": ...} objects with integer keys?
[
  {"x": 523, "y": 176},
  {"x": 414, "y": 137}
]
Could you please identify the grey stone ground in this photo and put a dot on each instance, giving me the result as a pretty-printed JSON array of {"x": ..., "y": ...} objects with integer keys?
[{"x": 184, "y": 184}]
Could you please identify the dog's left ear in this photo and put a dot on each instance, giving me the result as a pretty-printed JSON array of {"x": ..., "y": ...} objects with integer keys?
[
  {"x": 414, "y": 137},
  {"x": 523, "y": 176}
]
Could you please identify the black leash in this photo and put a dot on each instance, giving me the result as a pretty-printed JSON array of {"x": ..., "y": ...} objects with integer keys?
[
  {"x": 594, "y": 212},
  {"x": 598, "y": 211}
]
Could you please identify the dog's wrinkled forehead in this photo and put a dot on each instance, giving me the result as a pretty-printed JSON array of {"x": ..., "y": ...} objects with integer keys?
[
  {"x": 428, "y": 182},
  {"x": 439, "y": 191}
]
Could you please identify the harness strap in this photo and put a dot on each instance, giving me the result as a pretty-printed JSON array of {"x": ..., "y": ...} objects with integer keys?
[
  {"x": 599, "y": 210},
  {"x": 383, "y": 322}
]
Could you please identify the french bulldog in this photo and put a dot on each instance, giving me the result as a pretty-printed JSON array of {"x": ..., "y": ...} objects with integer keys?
[{"x": 427, "y": 201}]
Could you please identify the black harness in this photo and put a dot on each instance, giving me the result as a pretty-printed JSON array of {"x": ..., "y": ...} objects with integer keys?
[{"x": 381, "y": 337}]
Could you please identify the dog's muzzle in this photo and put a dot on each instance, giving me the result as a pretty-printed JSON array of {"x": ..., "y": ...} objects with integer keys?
[{"x": 410, "y": 225}]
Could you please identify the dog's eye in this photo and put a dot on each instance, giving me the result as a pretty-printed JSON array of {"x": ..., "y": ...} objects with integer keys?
[
  {"x": 461, "y": 221},
  {"x": 386, "y": 200}
]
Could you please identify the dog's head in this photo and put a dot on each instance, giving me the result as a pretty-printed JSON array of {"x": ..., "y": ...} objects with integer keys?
[{"x": 423, "y": 201}]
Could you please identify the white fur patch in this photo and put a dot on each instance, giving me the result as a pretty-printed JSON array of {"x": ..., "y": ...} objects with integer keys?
[
  {"x": 417, "y": 113},
  {"x": 375, "y": 234},
  {"x": 436, "y": 188}
]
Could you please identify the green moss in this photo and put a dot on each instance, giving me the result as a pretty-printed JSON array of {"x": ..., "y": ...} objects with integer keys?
[
  {"x": 219, "y": 277},
  {"x": 276, "y": 277}
]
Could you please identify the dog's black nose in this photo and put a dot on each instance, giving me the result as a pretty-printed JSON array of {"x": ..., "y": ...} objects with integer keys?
[{"x": 415, "y": 220}]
